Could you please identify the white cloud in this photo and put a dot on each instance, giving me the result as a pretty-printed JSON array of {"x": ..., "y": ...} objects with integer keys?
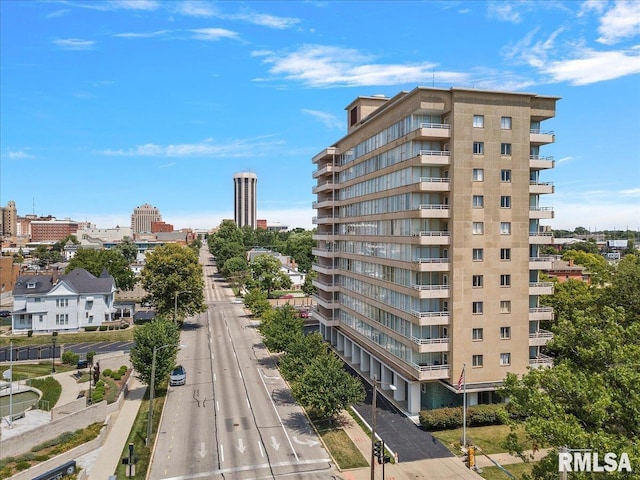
[
  {"x": 591, "y": 5},
  {"x": 213, "y": 33},
  {"x": 265, "y": 20},
  {"x": 600, "y": 215},
  {"x": 157, "y": 33},
  {"x": 565, "y": 159},
  {"x": 620, "y": 22},
  {"x": 208, "y": 148},
  {"x": 593, "y": 67},
  {"x": 19, "y": 155},
  {"x": 503, "y": 11},
  {"x": 327, "y": 119},
  {"x": 146, "y": 5},
  {"x": 74, "y": 43},
  {"x": 195, "y": 9},
  {"x": 58, "y": 13},
  {"x": 631, "y": 192},
  {"x": 325, "y": 66}
]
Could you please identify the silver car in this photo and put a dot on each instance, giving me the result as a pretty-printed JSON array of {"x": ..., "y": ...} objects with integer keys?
[{"x": 178, "y": 376}]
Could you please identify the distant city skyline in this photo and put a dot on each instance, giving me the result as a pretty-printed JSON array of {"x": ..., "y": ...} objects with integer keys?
[{"x": 106, "y": 105}]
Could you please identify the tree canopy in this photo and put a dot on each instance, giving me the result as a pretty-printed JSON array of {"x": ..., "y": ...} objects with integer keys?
[
  {"x": 281, "y": 328},
  {"x": 95, "y": 261},
  {"x": 158, "y": 333},
  {"x": 173, "y": 277},
  {"x": 266, "y": 273}
]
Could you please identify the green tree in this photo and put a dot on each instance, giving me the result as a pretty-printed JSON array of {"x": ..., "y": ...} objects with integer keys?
[
  {"x": 281, "y": 328},
  {"x": 46, "y": 257},
  {"x": 299, "y": 246},
  {"x": 236, "y": 270},
  {"x": 267, "y": 275},
  {"x": 326, "y": 388},
  {"x": 157, "y": 333},
  {"x": 624, "y": 289},
  {"x": 307, "y": 287},
  {"x": 172, "y": 272},
  {"x": 256, "y": 301},
  {"x": 95, "y": 261},
  {"x": 128, "y": 249},
  {"x": 594, "y": 263},
  {"x": 300, "y": 353},
  {"x": 589, "y": 399},
  {"x": 590, "y": 246}
]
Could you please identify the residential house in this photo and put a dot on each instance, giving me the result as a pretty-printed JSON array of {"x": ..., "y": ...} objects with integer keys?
[{"x": 53, "y": 302}]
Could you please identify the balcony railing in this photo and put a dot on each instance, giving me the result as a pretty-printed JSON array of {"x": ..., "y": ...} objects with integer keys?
[
  {"x": 434, "y": 179},
  {"x": 435, "y": 153},
  {"x": 415, "y": 313},
  {"x": 429, "y": 341},
  {"x": 540, "y": 209},
  {"x": 433, "y": 206},
  {"x": 541, "y": 361},
  {"x": 541, "y": 310},
  {"x": 431, "y": 260},
  {"x": 431, "y": 234},
  {"x": 431, "y": 287},
  {"x": 537, "y": 131},
  {"x": 445, "y": 126},
  {"x": 541, "y": 334}
]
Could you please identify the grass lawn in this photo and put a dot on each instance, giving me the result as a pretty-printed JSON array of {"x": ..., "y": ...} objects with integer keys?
[
  {"x": 339, "y": 444},
  {"x": 33, "y": 370},
  {"x": 516, "y": 469},
  {"x": 487, "y": 438},
  {"x": 125, "y": 335}
]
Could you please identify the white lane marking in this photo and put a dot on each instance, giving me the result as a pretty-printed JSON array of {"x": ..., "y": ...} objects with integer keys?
[
  {"x": 277, "y": 415},
  {"x": 241, "y": 446},
  {"x": 221, "y": 453},
  {"x": 248, "y": 403},
  {"x": 217, "y": 406},
  {"x": 214, "y": 377},
  {"x": 260, "y": 447}
]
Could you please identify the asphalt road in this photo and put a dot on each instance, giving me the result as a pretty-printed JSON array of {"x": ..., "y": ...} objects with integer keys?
[{"x": 235, "y": 417}]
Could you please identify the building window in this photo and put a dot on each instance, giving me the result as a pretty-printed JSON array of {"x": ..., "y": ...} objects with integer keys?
[
  {"x": 478, "y": 121},
  {"x": 505, "y": 280},
  {"x": 477, "y": 360},
  {"x": 505, "y": 149},
  {"x": 478, "y": 148},
  {"x": 478, "y": 254},
  {"x": 505, "y": 176},
  {"x": 505, "y": 123},
  {"x": 478, "y": 281},
  {"x": 505, "y": 333},
  {"x": 505, "y": 359},
  {"x": 505, "y": 228},
  {"x": 477, "y": 307},
  {"x": 477, "y": 333},
  {"x": 62, "y": 302},
  {"x": 40, "y": 318},
  {"x": 37, "y": 299},
  {"x": 505, "y": 306},
  {"x": 505, "y": 254},
  {"x": 478, "y": 228},
  {"x": 478, "y": 201},
  {"x": 478, "y": 174},
  {"x": 353, "y": 116},
  {"x": 505, "y": 201}
]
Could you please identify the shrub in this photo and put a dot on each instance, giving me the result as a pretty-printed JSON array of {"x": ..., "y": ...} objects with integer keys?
[
  {"x": 116, "y": 375},
  {"x": 123, "y": 369},
  {"x": 441, "y": 418},
  {"x": 103, "y": 328},
  {"x": 90, "y": 329},
  {"x": 23, "y": 465},
  {"x": 70, "y": 358},
  {"x": 30, "y": 333},
  {"x": 490, "y": 414},
  {"x": 107, "y": 372}
]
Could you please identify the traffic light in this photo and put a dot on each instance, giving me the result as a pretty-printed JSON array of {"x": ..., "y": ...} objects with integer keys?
[
  {"x": 96, "y": 373},
  {"x": 386, "y": 459},
  {"x": 377, "y": 450}
]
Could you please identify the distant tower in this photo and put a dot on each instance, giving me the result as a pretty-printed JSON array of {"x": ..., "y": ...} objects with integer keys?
[
  {"x": 142, "y": 218},
  {"x": 9, "y": 221},
  {"x": 244, "y": 205}
]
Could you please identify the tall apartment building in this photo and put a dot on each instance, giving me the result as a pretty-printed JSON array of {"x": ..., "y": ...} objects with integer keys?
[
  {"x": 8, "y": 220},
  {"x": 428, "y": 236},
  {"x": 244, "y": 203},
  {"x": 142, "y": 218}
]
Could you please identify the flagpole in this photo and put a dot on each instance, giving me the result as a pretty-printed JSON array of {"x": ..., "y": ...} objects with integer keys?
[{"x": 464, "y": 406}]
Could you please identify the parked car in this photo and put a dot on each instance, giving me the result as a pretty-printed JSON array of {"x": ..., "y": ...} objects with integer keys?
[
  {"x": 5, "y": 313},
  {"x": 287, "y": 296},
  {"x": 178, "y": 376}
]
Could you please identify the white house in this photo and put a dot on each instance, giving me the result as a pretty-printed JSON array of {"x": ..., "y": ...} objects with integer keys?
[{"x": 52, "y": 302}]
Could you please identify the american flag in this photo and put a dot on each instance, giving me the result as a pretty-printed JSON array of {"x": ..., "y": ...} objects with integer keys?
[{"x": 461, "y": 380}]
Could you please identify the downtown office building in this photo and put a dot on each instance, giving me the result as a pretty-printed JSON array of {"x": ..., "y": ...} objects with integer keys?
[{"x": 429, "y": 228}]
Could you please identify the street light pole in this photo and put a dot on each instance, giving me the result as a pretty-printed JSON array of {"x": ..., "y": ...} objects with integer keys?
[
  {"x": 175, "y": 304},
  {"x": 152, "y": 387},
  {"x": 373, "y": 423},
  {"x": 53, "y": 353}
]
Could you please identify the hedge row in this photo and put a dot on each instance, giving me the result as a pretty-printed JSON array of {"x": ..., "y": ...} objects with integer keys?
[{"x": 450, "y": 418}]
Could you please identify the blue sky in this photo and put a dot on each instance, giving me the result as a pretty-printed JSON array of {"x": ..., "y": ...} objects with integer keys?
[{"x": 106, "y": 105}]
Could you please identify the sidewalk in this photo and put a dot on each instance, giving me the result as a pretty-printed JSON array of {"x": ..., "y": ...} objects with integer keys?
[{"x": 109, "y": 455}]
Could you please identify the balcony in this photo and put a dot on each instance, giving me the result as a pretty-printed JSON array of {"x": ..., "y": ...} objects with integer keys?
[
  {"x": 325, "y": 287},
  {"x": 540, "y": 263},
  {"x": 322, "y": 220},
  {"x": 431, "y": 372},
  {"x": 435, "y": 157},
  {"x": 540, "y": 238},
  {"x": 541, "y": 313},
  {"x": 434, "y": 211},
  {"x": 432, "y": 291},
  {"x": 536, "y": 162},
  {"x": 323, "y": 236},
  {"x": 432, "y": 318},
  {"x": 431, "y": 345},
  {"x": 540, "y": 361},
  {"x": 326, "y": 154},
  {"x": 329, "y": 303},
  {"x": 437, "y": 131},
  {"x": 434, "y": 184},
  {"x": 327, "y": 169},
  {"x": 326, "y": 269},
  {"x": 432, "y": 264},
  {"x": 316, "y": 315},
  {"x": 539, "y": 338},
  {"x": 326, "y": 203},
  {"x": 538, "y": 137},
  {"x": 541, "y": 212},
  {"x": 540, "y": 288},
  {"x": 541, "y": 188},
  {"x": 324, "y": 187},
  {"x": 323, "y": 252},
  {"x": 433, "y": 237}
]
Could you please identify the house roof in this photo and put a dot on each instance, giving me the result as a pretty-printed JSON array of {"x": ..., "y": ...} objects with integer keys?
[{"x": 79, "y": 280}]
